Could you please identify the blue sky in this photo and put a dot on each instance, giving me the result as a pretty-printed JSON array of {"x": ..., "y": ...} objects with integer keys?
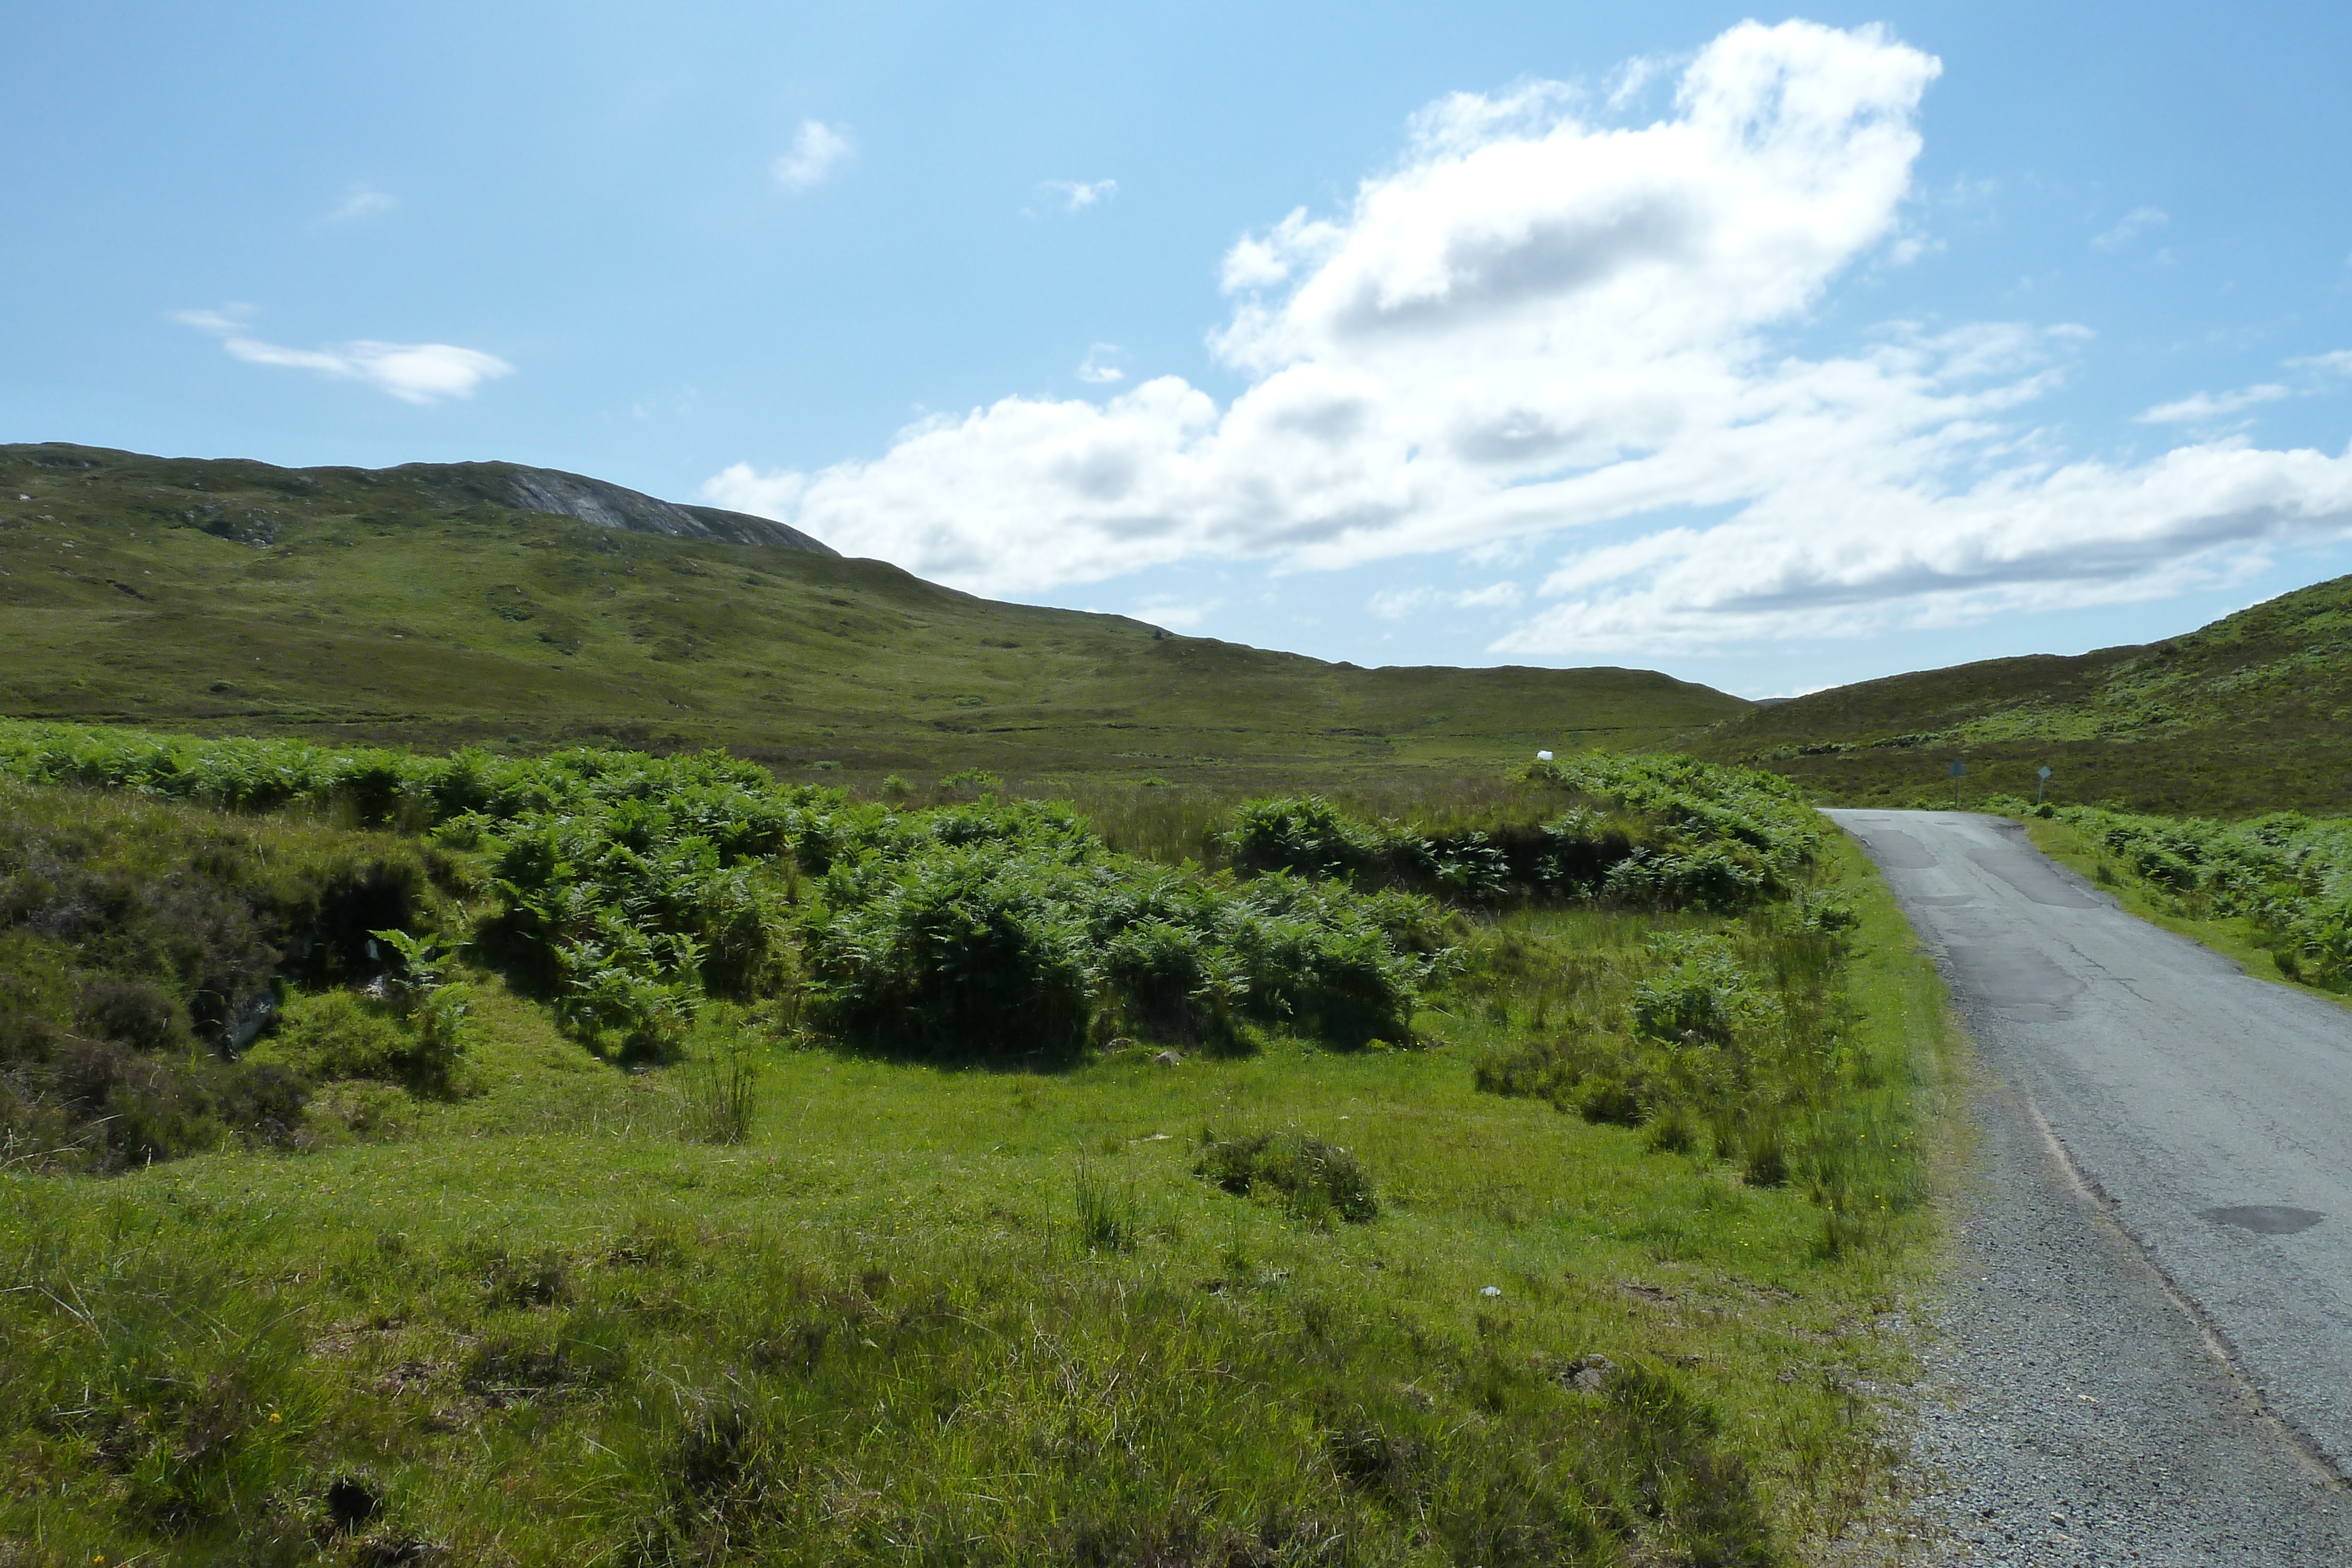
[{"x": 1774, "y": 356}]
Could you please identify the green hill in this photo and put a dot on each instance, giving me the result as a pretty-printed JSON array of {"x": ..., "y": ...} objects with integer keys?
[
  {"x": 434, "y": 605},
  {"x": 2253, "y": 713}
]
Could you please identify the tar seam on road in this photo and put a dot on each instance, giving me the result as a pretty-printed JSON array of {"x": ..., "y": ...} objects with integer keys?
[{"x": 2209, "y": 1333}]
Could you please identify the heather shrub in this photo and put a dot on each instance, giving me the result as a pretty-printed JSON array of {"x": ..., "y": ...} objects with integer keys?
[
  {"x": 1649, "y": 832},
  {"x": 1011, "y": 944},
  {"x": 1315, "y": 1180},
  {"x": 143, "y": 950}
]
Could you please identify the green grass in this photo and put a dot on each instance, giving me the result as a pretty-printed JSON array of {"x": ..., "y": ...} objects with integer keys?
[
  {"x": 401, "y": 607},
  {"x": 770, "y": 1302},
  {"x": 2249, "y": 714},
  {"x": 891, "y": 1279}
]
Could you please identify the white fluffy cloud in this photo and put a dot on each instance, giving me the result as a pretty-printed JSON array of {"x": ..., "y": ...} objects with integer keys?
[
  {"x": 413, "y": 372},
  {"x": 1077, "y": 195},
  {"x": 1535, "y": 322},
  {"x": 2205, "y": 408},
  {"x": 817, "y": 149}
]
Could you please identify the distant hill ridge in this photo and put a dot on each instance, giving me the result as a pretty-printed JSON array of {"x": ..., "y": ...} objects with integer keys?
[
  {"x": 433, "y": 604},
  {"x": 2250, "y": 714},
  {"x": 527, "y": 490}
]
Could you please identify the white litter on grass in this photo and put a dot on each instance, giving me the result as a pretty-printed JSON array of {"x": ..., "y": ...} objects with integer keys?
[
  {"x": 1490, "y": 1289},
  {"x": 1543, "y": 757}
]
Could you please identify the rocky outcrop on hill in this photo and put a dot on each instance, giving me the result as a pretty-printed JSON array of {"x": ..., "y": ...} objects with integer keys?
[
  {"x": 609, "y": 506},
  {"x": 234, "y": 498}
]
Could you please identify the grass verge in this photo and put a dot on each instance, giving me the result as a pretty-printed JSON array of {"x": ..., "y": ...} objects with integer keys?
[{"x": 2238, "y": 938}]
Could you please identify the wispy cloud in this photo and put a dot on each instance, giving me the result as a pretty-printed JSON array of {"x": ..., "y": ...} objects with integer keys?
[
  {"x": 2205, "y": 408},
  {"x": 2137, "y": 221},
  {"x": 413, "y": 372},
  {"x": 2338, "y": 363},
  {"x": 1495, "y": 596},
  {"x": 817, "y": 149},
  {"x": 1077, "y": 196},
  {"x": 1097, "y": 367},
  {"x": 360, "y": 201},
  {"x": 2319, "y": 373},
  {"x": 1630, "y": 80},
  {"x": 1399, "y": 604},
  {"x": 220, "y": 323}
]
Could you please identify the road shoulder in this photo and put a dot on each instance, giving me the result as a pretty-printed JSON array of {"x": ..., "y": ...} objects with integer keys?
[{"x": 2073, "y": 1409}]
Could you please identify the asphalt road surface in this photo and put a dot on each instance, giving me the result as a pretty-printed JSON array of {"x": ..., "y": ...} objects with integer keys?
[{"x": 2146, "y": 1352}]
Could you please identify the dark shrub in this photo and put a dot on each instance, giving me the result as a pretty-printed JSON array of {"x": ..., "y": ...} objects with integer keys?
[
  {"x": 957, "y": 949},
  {"x": 1302, "y": 833},
  {"x": 540, "y": 1280},
  {"x": 130, "y": 1011},
  {"x": 1314, "y": 1179},
  {"x": 263, "y": 1101}
]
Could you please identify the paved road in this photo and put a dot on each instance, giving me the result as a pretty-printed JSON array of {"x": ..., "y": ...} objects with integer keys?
[{"x": 2148, "y": 1347}]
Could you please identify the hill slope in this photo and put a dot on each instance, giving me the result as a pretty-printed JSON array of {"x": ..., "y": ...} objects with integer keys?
[
  {"x": 438, "y": 604},
  {"x": 2253, "y": 713}
]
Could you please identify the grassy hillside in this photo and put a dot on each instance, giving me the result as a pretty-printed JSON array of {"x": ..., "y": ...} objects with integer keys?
[
  {"x": 625, "y": 1228},
  {"x": 2250, "y": 714},
  {"x": 412, "y": 606}
]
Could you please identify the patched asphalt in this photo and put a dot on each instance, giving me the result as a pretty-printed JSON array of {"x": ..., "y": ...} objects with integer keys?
[{"x": 2144, "y": 1354}]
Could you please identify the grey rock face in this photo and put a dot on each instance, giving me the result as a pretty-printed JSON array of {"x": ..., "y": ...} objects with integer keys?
[
  {"x": 607, "y": 505},
  {"x": 612, "y": 507}
]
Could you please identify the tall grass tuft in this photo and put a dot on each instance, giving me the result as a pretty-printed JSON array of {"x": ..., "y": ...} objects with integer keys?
[
  {"x": 722, "y": 1078},
  {"x": 1110, "y": 1216}
]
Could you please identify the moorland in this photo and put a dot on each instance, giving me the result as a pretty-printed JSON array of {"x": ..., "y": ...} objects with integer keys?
[
  {"x": 2250, "y": 714},
  {"x": 542, "y": 1026},
  {"x": 436, "y": 605}
]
